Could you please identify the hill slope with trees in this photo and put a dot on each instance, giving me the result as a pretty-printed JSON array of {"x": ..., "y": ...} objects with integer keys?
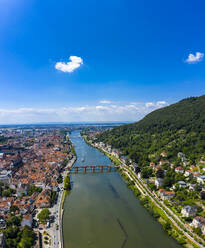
[{"x": 178, "y": 127}]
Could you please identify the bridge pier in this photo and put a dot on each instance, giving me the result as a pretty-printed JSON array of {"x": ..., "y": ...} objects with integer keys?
[{"x": 92, "y": 168}]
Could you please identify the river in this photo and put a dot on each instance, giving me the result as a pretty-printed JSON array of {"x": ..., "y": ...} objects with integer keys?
[{"x": 101, "y": 212}]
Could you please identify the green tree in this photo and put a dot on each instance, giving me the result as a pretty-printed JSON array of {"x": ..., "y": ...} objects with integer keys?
[
  {"x": 169, "y": 179},
  {"x": 53, "y": 196},
  {"x": 146, "y": 172},
  {"x": 13, "y": 209},
  {"x": 12, "y": 234},
  {"x": 14, "y": 221},
  {"x": 33, "y": 189},
  {"x": 44, "y": 216},
  {"x": 166, "y": 226},
  {"x": 198, "y": 230},
  {"x": 181, "y": 241},
  {"x": 67, "y": 185},
  {"x": 27, "y": 238},
  {"x": 11, "y": 242},
  {"x": 202, "y": 194},
  {"x": 8, "y": 192},
  {"x": 178, "y": 127},
  {"x": 60, "y": 179},
  {"x": 160, "y": 173}
]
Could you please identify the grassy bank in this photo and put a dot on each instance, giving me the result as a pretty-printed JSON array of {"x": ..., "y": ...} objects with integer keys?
[
  {"x": 71, "y": 146},
  {"x": 65, "y": 193}
]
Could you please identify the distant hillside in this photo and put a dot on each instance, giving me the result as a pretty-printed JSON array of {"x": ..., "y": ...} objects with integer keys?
[{"x": 178, "y": 127}]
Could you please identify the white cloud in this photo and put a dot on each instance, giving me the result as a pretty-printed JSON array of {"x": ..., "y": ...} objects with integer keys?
[
  {"x": 117, "y": 112},
  {"x": 158, "y": 104},
  {"x": 102, "y": 107},
  {"x": 74, "y": 63},
  {"x": 105, "y": 102},
  {"x": 195, "y": 58},
  {"x": 149, "y": 104},
  {"x": 161, "y": 103}
]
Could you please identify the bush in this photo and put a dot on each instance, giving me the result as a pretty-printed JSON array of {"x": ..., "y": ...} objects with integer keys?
[
  {"x": 166, "y": 226},
  {"x": 130, "y": 183},
  {"x": 189, "y": 219},
  {"x": 144, "y": 201},
  {"x": 181, "y": 241},
  {"x": 198, "y": 231}
]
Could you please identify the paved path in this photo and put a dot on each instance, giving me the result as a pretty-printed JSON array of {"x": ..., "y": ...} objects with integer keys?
[{"x": 56, "y": 235}]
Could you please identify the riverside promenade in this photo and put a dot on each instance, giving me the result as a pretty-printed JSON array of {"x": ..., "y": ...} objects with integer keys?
[{"x": 56, "y": 231}]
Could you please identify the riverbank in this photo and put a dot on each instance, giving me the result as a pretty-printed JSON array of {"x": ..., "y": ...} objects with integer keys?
[
  {"x": 58, "y": 238},
  {"x": 56, "y": 232},
  {"x": 154, "y": 206},
  {"x": 62, "y": 199}
]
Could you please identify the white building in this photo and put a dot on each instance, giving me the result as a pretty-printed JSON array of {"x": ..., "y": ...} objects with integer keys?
[
  {"x": 1, "y": 155},
  {"x": 189, "y": 211},
  {"x": 179, "y": 169},
  {"x": 192, "y": 187},
  {"x": 203, "y": 229},
  {"x": 166, "y": 195},
  {"x": 158, "y": 182},
  {"x": 5, "y": 176},
  {"x": 182, "y": 184},
  {"x": 198, "y": 221},
  {"x": 200, "y": 179}
]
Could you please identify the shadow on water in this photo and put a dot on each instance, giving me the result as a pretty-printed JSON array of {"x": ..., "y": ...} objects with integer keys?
[
  {"x": 125, "y": 233},
  {"x": 113, "y": 190}
]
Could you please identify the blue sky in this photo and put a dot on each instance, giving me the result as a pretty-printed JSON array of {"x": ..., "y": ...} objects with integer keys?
[{"x": 136, "y": 55}]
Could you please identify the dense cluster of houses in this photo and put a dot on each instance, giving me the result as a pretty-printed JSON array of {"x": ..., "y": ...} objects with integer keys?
[
  {"x": 185, "y": 170},
  {"x": 31, "y": 161}
]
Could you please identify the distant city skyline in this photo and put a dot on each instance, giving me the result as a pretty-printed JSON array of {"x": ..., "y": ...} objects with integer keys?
[{"x": 88, "y": 61}]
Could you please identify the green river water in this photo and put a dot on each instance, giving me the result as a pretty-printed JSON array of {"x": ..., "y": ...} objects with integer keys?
[{"x": 101, "y": 212}]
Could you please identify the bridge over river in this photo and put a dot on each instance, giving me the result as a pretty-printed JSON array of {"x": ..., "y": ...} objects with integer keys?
[{"x": 94, "y": 168}]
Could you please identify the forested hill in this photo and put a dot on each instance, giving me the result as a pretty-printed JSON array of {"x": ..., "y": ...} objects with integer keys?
[{"x": 178, "y": 127}]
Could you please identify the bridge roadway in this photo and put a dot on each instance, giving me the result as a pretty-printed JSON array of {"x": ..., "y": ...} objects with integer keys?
[{"x": 93, "y": 168}]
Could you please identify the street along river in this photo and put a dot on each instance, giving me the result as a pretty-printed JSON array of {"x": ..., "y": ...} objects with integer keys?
[{"x": 101, "y": 212}]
